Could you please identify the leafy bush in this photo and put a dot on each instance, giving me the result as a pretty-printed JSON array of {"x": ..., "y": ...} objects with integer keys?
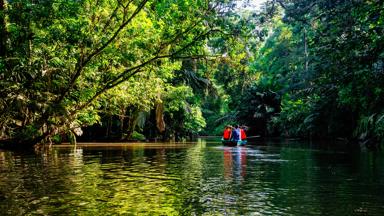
[
  {"x": 370, "y": 127},
  {"x": 57, "y": 139},
  {"x": 137, "y": 136},
  {"x": 294, "y": 119}
]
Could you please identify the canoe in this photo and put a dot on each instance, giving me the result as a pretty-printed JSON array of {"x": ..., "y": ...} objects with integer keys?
[{"x": 233, "y": 143}]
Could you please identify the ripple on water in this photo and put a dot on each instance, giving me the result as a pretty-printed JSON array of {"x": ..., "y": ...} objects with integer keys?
[{"x": 190, "y": 180}]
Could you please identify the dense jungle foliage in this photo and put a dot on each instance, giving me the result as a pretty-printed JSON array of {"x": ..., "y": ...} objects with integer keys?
[{"x": 146, "y": 69}]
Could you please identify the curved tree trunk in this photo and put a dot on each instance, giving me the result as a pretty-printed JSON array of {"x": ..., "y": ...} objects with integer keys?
[{"x": 160, "y": 124}]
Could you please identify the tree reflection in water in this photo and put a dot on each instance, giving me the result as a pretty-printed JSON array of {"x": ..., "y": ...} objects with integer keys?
[{"x": 199, "y": 178}]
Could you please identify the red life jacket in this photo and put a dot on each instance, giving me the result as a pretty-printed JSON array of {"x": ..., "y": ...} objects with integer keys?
[
  {"x": 227, "y": 134},
  {"x": 243, "y": 136}
]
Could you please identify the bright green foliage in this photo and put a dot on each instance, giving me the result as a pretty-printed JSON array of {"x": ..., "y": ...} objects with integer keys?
[
  {"x": 64, "y": 63},
  {"x": 137, "y": 136},
  {"x": 183, "y": 117},
  {"x": 182, "y": 67}
]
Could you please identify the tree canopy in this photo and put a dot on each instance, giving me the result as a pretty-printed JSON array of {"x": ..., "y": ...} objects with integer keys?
[{"x": 142, "y": 69}]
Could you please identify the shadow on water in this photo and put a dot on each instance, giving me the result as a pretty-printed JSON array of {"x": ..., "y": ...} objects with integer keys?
[{"x": 198, "y": 178}]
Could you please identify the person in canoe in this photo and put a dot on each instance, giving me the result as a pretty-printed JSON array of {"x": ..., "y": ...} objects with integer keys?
[
  {"x": 227, "y": 135},
  {"x": 243, "y": 135},
  {"x": 236, "y": 134}
]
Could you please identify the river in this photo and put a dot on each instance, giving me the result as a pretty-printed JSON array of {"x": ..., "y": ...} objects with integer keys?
[{"x": 197, "y": 178}]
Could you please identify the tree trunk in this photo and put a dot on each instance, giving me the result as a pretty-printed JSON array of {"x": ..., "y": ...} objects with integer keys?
[
  {"x": 109, "y": 127},
  {"x": 305, "y": 51},
  {"x": 3, "y": 30},
  {"x": 160, "y": 123},
  {"x": 122, "y": 125}
]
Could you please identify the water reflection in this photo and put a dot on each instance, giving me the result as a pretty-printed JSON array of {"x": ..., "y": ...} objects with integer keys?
[
  {"x": 200, "y": 178},
  {"x": 235, "y": 163}
]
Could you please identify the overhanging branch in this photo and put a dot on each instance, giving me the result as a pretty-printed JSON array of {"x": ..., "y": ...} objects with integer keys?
[
  {"x": 85, "y": 60},
  {"x": 130, "y": 72}
]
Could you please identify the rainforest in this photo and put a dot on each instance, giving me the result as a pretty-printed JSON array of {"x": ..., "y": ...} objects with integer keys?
[{"x": 120, "y": 70}]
